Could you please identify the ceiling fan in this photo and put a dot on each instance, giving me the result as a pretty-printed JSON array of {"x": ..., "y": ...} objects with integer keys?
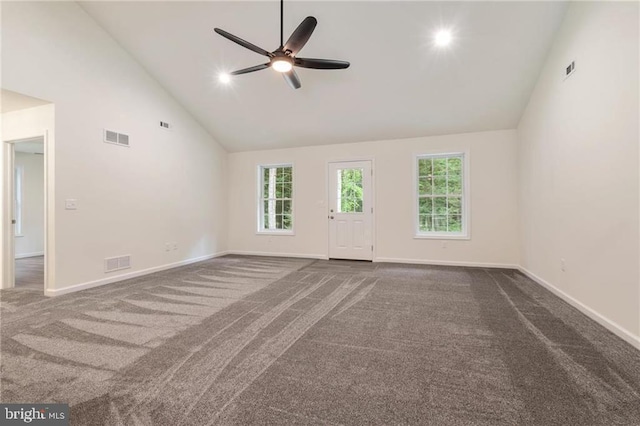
[{"x": 284, "y": 58}]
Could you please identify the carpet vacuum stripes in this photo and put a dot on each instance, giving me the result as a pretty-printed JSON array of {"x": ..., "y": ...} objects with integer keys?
[{"x": 255, "y": 340}]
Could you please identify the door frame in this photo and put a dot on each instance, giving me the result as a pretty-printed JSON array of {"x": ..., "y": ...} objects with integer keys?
[
  {"x": 374, "y": 226},
  {"x": 8, "y": 231}
]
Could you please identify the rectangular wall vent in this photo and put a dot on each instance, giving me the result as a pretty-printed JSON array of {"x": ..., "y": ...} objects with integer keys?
[
  {"x": 111, "y": 264},
  {"x": 165, "y": 125},
  {"x": 123, "y": 139},
  {"x": 117, "y": 263},
  {"x": 110, "y": 136},
  {"x": 569, "y": 69},
  {"x": 124, "y": 262},
  {"x": 116, "y": 138}
]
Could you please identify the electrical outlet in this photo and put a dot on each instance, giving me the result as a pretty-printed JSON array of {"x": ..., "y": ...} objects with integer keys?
[
  {"x": 562, "y": 265},
  {"x": 174, "y": 246},
  {"x": 167, "y": 247},
  {"x": 70, "y": 204},
  {"x": 443, "y": 244}
]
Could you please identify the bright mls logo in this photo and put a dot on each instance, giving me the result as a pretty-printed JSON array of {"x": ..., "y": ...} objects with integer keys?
[{"x": 34, "y": 414}]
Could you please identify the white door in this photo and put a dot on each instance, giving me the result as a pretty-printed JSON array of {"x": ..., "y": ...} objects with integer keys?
[{"x": 350, "y": 210}]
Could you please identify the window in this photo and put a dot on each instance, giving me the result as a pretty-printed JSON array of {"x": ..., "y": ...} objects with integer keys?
[
  {"x": 17, "y": 200},
  {"x": 276, "y": 199},
  {"x": 349, "y": 191},
  {"x": 441, "y": 195}
]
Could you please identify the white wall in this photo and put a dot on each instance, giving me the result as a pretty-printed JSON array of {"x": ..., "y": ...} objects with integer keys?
[
  {"x": 493, "y": 199},
  {"x": 28, "y": 123},
  {"x": 578, "y": 162},
  {"x": 31, "y": 241},
  {"x": 168, "y": 187}
]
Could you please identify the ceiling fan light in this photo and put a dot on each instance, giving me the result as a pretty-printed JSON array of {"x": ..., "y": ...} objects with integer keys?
[{"x": 281, "y": 65}]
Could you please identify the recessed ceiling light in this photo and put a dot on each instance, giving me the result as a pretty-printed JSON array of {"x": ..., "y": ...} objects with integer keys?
[
  {"x": 224, "y": 78},
  {"x": 442, "y": 38}
]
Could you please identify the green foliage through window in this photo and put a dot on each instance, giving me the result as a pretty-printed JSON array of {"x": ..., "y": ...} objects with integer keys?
[
  {"x": 276, "y": 207},
  {"x": 350, "y": 191},
  {"x": 440, "y": 194}
]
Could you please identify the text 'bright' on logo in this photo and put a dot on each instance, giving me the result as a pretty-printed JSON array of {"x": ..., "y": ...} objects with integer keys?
[{"x": 35, "y": 414}]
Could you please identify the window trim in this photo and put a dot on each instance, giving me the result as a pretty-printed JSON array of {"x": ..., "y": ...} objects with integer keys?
[
  {"x": 466, "y": 197},
  {"x": 18, "y": 200},
  {"x": 259, "y": 216}
]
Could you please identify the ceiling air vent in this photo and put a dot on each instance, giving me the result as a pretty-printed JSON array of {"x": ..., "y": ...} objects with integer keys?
[
  {"x": 116, "y": 138},
  {"x": 165, "y": 125}
]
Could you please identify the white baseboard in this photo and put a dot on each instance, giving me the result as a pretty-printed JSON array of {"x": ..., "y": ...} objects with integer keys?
[
  {"x": 127, "y": 276},
  {"x": 378, "y": 259},
  {"x": 446, "y": 263},
  {"x": 274, "y": 254},
  {"x": 615, "y": 328},
  {"x": 25, "y": 255}
]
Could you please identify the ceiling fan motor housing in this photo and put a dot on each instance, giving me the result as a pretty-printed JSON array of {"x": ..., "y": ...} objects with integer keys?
[{"x": 281, "y": 55}]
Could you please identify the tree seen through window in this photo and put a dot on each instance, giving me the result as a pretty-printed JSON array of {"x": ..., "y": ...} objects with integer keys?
[
  {"x": 350, "y": 191},
  {"x": 277, "y": 198},
  {"x": 440, "y": 194}
]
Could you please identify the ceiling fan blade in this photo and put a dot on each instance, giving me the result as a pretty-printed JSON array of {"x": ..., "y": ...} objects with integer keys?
[
  {"x": 292, "y": 79},
  {"x": 301, "y": 35},
  {"x": 250, "y": 69},
  {"x": 242, "y": 42},
  {"x": 321, "y": 64}
]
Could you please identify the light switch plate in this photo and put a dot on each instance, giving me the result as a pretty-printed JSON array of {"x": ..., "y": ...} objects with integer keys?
[{"x": 71, "y": 204}]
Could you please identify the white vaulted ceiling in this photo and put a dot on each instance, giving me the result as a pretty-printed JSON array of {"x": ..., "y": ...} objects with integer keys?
[{"x": 399, "y": 85}]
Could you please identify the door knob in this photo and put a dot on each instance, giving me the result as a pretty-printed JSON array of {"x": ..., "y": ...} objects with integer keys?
[{"x": 330, "y": 217}]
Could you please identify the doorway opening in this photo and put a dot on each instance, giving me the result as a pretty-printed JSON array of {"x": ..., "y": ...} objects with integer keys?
[
  {"x": 28, "y": 213},
  {"x": 26, "y": 220}
]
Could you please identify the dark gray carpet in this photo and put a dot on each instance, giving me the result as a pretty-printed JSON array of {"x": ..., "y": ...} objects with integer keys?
[{"x": 247, "y": 340}]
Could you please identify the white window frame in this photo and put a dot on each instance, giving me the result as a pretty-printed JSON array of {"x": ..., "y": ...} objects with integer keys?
[
  {"x": 465, "y": 234},
  {"x": 260, "y": 202},
  {"x": 18, "y": 200}
]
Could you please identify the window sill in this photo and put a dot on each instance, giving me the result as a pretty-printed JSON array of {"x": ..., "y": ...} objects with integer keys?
[
  {"x": 281, "y": 233},
  {"x": 441, "y": 237}
]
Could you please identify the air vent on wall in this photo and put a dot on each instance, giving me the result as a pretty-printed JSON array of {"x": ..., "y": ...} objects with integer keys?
[
  {"x": 116, "y": 263},
  {"x": 110, "y": 136},
  {"x": 123, "y": 139},
  {"x": 116, "y": 138},
  {"x": 165, "y": 125},
  {"x": 124, "y": 262},
  {"x": 569, "y": 69},
  {"x": 111, "y": 264}
]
